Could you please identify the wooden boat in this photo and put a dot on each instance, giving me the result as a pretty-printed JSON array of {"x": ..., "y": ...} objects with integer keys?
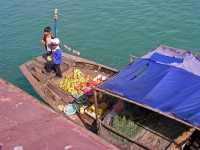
[
  {"x": 165, "y": 132},
  {"x": 48, "y": 87}
]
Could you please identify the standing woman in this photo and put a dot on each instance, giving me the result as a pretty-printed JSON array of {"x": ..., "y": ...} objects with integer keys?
[
  {"x": 46, "y": 40},
  {"x": 56, "y": 59}
]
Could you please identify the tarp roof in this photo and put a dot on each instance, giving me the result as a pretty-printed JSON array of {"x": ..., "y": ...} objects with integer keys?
[{"x": 166, "y": 79}]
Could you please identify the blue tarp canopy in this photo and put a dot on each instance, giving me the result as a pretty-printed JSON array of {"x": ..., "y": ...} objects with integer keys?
[{"x": 165, "y": 79}]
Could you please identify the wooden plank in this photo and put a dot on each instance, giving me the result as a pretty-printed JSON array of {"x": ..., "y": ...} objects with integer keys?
[
  {"x": 54, "y": 100},
  {"x": 64, "y": 66},
  {"x": 94, "y": 67},
  {"x": 79, "y": 59},
  {"x": 39, "y": 75},
  {"x": 58, "y": 91},
  {"x": 33, "y": 81},
  {"x": 180, "y": 141},
  {"x": 41, "y": 63}
]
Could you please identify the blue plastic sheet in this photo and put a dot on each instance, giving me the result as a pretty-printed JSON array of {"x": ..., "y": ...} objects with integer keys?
[
  {"x": 165, "y": 59},
  {"x": 163, "y": 87}
]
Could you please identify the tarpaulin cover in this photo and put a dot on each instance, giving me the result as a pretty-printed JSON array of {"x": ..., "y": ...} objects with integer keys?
[{"x": 165, "y": 79}]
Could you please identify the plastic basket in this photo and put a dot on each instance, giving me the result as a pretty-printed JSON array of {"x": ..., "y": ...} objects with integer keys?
[
  {"x": 78, "y": 97},
  {"x": 70, "y": 109}
]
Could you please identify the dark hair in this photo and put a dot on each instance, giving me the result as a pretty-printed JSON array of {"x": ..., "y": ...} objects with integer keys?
[{"x": 48, "y": 29}]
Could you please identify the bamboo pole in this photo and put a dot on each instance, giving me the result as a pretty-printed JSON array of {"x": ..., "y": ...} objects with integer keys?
[
  {"x": 133, "y": 58},
  {"x": 96, "y": 109}
]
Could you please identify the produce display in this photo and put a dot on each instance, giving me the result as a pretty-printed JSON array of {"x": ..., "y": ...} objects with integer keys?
[
  {"x": 131, "y": 121},
  {"x": 101, "y": 111},
  {"x": 78, "y": 84},
  {"x": 104, "y": 103}
]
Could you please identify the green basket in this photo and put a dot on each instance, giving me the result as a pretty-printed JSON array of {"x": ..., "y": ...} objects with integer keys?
[{"x": 70, "y": 109}]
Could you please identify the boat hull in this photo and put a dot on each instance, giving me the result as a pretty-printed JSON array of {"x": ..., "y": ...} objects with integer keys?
[{"x": 48, "y": 87}]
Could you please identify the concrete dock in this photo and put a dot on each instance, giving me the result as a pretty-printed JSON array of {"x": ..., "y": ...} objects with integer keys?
[{"x": 28, "y": 124}]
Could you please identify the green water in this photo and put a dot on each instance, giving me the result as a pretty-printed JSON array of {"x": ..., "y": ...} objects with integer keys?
[{"x": 104, "y": 31}]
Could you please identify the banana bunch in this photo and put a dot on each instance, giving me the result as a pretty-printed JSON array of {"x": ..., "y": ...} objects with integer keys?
[
  {"x": 71, "y": 82},
  {"x": 77, "y": 74}
]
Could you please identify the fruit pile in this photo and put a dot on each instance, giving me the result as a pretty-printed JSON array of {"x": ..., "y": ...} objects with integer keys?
[
  {"x": 77, "y": 84},
  {"x": 102, "y": 109},
  {"x": 91, "y": 99},
  {"x": 82, "y": 109},
  {"x": 104, "y": 103}
]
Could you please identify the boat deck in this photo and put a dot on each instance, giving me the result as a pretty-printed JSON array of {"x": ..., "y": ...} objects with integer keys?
[
  {"x": 47, "y": 86},
  {"x": 27, "y": 123}
]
